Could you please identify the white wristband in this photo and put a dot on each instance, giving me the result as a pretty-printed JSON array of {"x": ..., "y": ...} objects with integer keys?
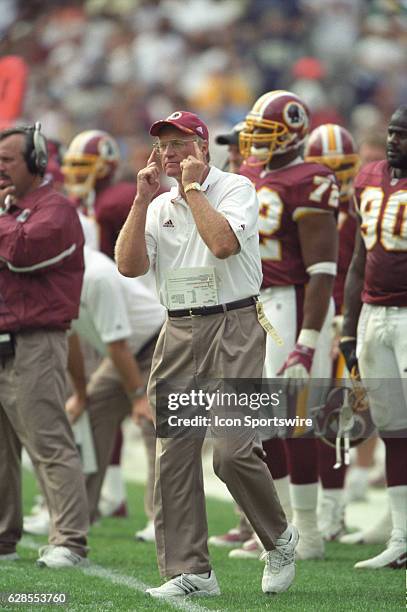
[
  {"x": 323, "y": 267},
  {"x": 308, "y": 337}
]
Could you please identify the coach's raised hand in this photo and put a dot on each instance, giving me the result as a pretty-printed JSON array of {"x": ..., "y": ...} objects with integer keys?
[
  {"x": 148, "y": 179},
  {"x": 193, "y": 167}
]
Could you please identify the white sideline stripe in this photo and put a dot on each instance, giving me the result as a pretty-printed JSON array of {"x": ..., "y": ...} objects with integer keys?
[
  {"x": 128, "y": 581},
  {"x": 137, "y": 585},
  {"x": 45, "y": 263}
]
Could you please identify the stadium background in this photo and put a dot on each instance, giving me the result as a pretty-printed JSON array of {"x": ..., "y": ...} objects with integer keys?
[{"x": 121, "y": 64}]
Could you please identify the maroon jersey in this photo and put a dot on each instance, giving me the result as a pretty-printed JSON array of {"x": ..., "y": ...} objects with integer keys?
[
  {"x": 382, "y": 205},
  {"x": 284, "y": 196},
  {"x": 112, "y": 205},
  {"x": 346, "y": 229}
]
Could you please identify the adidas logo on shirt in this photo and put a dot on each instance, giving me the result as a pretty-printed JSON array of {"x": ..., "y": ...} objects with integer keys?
[{"x": 168, "y": 223}]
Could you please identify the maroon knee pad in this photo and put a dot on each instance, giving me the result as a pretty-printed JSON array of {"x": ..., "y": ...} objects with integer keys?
[
  {"x": 276, "y": 458},
  {"x": 302, "y": 455},
  {"x": 396, "y": 464}
]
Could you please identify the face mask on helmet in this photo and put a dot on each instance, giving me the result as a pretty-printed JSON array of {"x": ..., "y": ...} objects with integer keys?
[
  {"x": 92, "y": 156},
  {"x": 344, "y": 420},
  {"x": 277, "y": 123},
  {"x": 334, "y": 147}
]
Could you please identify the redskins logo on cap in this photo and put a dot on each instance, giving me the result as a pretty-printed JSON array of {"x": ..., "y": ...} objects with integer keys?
[
  {"x": 294, "y": 115},
  {"x": 174, "y": 116}
]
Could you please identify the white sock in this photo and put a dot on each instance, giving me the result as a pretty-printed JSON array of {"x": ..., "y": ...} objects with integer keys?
[
  {"x": 360, "y": 473},
  {"x": 282, "y": 486},
  {"x": 113, "y": 485},
  {"x": 304, "y": 497},
  {"x": 335, "y": 494},
  {"x": 304, "y": 500},
  {"x": 398, "y": 508}
]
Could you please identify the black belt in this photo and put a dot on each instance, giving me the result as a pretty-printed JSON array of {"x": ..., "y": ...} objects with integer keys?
[{"x": 203, "y": 311}]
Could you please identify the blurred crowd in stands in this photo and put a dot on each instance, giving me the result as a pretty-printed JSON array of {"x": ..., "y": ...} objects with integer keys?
[{"x": 121, "y": 64}]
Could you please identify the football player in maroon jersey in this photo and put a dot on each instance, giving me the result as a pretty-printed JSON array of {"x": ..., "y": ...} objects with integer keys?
[
  {"x": 298, "y": 242},
  {"x": 375, "y": 321},
  {"x": 333, "y": 146},
  {"x": 89, "y": 167}
]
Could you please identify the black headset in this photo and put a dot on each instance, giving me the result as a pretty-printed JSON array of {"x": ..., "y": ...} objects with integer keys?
[{"x": 36, "y": 153}]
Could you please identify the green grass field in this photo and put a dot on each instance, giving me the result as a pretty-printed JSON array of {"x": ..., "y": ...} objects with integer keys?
[{"x": 121, "y": 567}]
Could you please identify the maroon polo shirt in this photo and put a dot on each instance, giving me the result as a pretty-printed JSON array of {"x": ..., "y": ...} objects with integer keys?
[{"x": 41, "y": 262}]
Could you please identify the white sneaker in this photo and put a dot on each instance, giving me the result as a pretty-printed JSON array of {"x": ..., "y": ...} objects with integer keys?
[
  {"x": 249, "y": 550},
  {"x": 9, "y": 556},
  {"x": 279, "y": 571},
  {"x": 377, "y": 534},
  {"x": 331, "y": 519},
  {"x": 147, "y": 534},
  {"x": 59, "y": 556},
  {"x": 37, "y": 524},
  {"x": 393, "y": 556},
  {"x": 187, "y": 584}
]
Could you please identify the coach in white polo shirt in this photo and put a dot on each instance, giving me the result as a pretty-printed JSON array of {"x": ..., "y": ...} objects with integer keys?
[
  {"x": 201, "y": 239},
  {"x": 121, "y": 318}
]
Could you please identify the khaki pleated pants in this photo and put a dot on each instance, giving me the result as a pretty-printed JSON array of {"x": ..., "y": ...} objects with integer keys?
[{"x": 229, "y": 345}]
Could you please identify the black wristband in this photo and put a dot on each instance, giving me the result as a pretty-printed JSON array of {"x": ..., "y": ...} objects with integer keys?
[{"x": 347, "y": 346}]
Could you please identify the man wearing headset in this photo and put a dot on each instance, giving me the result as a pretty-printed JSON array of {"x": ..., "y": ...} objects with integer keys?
[{"x": 41, "y": 272}]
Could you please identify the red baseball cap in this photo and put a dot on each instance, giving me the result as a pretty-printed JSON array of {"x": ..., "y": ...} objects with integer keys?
[{"x": 184, "y": 121}]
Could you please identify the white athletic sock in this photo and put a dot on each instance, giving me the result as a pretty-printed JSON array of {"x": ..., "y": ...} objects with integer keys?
[
  {"x": 335, "y": 494},
  {"x": 283, "y": 491},
  {"x": 304, "y": 497},
  {"x": 360, "y": 473},
  {"x": 398, "y": 508},
  {"x": 304, "y": 500},
  {"x": 113, "y": 484}
]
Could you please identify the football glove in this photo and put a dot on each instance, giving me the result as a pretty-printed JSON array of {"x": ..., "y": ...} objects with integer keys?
[{"x": 297, "y": 367}]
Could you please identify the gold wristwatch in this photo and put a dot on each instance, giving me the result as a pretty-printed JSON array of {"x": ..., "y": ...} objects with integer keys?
[{"x": 193, "y": 187}]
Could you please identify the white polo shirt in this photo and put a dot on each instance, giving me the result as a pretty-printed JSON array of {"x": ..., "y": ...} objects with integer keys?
[
  {"x": 90, "y": 230},
  {"x": 173, "y": 241},
  {"x": 114, "y": 307}
]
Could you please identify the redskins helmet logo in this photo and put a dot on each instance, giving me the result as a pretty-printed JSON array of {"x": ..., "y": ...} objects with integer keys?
[
  {"x": 294, "y": 115},
  {"x": 106, "y": 149}
]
